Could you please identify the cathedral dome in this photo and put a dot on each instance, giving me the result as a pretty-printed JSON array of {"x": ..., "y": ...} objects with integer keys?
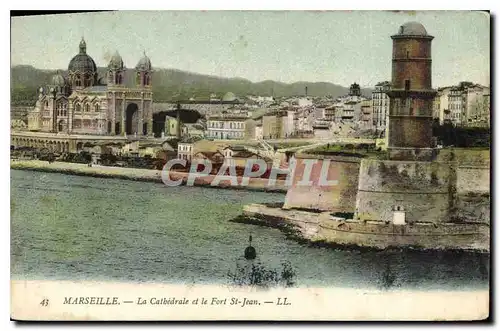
[
  {"x": 116, "y": 61},
  {"x": 144, "y": 63},
  {"x": 82, "y": 62},
  {"x": 412, "y": 29},
  {"x": 58, "y": 80},
  {"x": 229, "y": 96}
]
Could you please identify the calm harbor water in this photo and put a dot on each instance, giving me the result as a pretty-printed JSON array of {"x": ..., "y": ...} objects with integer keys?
[{"x": 82, "y": 228}]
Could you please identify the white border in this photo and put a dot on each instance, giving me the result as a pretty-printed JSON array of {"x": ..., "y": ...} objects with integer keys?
[{"x": 185, "y": 5}]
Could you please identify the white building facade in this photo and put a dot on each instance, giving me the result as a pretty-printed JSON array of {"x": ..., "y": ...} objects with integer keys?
[
  {"x": 380, "y": 105},
  {"x": 226, "y": 127}
]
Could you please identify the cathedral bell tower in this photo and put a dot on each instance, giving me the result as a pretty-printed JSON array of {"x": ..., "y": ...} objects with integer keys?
[
  {"x": 116, "y": 70},
  {"x": 144, "y": 72}
]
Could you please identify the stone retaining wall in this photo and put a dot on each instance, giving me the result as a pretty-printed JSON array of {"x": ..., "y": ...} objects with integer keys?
[{"x": 140, "y": 174}]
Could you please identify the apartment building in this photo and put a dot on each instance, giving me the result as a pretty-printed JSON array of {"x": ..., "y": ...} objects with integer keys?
[
  {"x": 226, "y": 126},
  {"x": 380, "y": 105}
]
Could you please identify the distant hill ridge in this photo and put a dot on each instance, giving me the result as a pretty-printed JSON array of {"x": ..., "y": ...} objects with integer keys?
[{"x": 170, "y": 84}]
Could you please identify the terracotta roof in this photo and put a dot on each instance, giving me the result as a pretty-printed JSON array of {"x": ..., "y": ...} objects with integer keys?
[
  {"x": 210, "y": 155},
  {"x": 236, "y": 148}
]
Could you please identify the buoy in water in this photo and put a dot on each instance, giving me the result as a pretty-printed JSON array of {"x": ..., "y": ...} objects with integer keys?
[{"x": 250, "y": 252}]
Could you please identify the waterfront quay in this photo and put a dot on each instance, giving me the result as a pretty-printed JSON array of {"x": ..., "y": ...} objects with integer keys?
[{"x": 146, "y": 175}]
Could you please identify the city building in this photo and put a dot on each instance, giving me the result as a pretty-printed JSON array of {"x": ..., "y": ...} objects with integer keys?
[
  {"x": 226, "y": 126},
  {"x": 83, "y": 103},
  {"x": 366, "y": 115},
  {"x": 194, "y": 130},
  {"x": 355, "y": 90},
  {"x": 462, "y": 105},
  {"x": 473, "y": 102},
  {"x": 380, "y": 104},
  {"x": 441, "y": 100},
  {"x": 456, "y": 105},
  {"x": 259, "y": 133},
  {"x": 214, "y": 157},
  {"x": 411, "y": 94},
  {"x": 170, "y": 128},
  {"x": 351, "y": 111},
  {"x": 322, "y": 130},
  {"x": 185, "y": 150},
  {"x": 329, "y": 113},
  {"x": 278, "y": 124},
  {"x": 484, "y": 116},
  {"x": 20, "y": 113},
  {"x": 436, "y": 105}
]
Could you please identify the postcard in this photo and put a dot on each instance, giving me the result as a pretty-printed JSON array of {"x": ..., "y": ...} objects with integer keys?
[{"x": 250, "y": 166}]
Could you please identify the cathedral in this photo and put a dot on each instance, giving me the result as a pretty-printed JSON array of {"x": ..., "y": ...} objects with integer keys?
[{"x": 120, "y": 103}]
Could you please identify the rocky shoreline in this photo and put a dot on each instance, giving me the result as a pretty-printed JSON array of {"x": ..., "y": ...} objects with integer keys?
[{"x": 325, "y": 230}]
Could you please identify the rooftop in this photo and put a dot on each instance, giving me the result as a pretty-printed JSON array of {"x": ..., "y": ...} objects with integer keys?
[{"x": 412, "y": 29}]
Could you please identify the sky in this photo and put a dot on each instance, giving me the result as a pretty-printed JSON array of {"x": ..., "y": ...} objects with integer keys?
[{"x": 340, "y": 47}]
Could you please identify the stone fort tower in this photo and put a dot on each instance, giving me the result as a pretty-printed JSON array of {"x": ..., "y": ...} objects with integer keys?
[{"x": 411, "y": 95}]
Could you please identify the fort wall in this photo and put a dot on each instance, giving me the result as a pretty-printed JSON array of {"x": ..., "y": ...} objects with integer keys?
[
  {"x": 334, "y": 198},
  {"x": 421, "y": 189},
  {"x": 324, "y": 229}
]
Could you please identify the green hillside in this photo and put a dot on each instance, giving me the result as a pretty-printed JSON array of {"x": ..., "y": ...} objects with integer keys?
[{"x": 170, "y": 84}]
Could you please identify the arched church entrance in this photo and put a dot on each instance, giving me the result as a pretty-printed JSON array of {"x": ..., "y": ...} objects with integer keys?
[{"x": 131, "y": 118}]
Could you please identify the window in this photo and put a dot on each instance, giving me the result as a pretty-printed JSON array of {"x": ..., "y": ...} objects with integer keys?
[
  {"x": 78, "y": 81},
  {"x": 407, "y": 84},
  {"x": 96, "y": 107},
  {"x": 87, "y": 107},
  {"x": 78, "y": 108},
  {"x": 88, "y": 80}
]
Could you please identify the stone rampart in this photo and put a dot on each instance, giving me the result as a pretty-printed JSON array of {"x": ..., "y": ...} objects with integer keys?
[
  {"x": 421, "y": 189},
  {"x": 336, "y": 198}
]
